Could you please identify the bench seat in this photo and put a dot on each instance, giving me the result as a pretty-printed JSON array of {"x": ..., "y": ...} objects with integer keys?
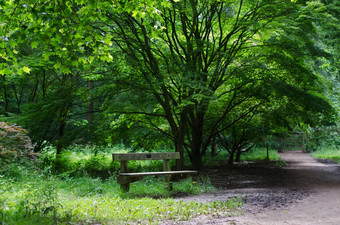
[{"x": 158, "y": 173}]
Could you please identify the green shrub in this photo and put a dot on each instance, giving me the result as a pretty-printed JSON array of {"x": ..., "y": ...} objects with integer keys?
[
  {"x": 16, "y": 152},
  {"x": 326, "y": 136},
  {"x": 14, "y": 141}
]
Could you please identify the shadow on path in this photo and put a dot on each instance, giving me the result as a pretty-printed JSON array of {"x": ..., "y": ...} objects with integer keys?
[{"x": 305, "y": 192}]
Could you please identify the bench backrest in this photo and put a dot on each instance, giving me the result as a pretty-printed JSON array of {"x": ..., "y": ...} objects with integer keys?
[{"x": 145, "y": 156}]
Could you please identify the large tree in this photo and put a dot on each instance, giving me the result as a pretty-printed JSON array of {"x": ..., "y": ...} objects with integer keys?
[{"x": 190, "y": 55}]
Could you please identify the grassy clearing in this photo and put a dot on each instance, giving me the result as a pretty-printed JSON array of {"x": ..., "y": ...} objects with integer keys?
[
  {"x": 328, "y": 153},
  {"x": 83, "y": 190}
]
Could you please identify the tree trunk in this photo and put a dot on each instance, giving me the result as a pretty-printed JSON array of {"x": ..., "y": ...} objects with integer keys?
[
  {"x": 196, "y": 159},
  {"x": 196, "y": 143},
  {"x": 5, "y": 96},
  {"x": 179, "y": 148},
  {"x": 238, "y": 155},
  {"x": 43, "y": 85},
  {"x": 59, "y": 145},
  {"x": 18, "y": 97},
  {"x": 231, "y": 156},
  {"x": 213, "y": 146}
]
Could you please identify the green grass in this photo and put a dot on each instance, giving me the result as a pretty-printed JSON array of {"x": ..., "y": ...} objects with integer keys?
[
  {"x": 327, "y": 153},
  {"x": 79, "y": 193},
  {"x": 255, "y": 154},
  {"x": 260, "y": 154},
  {"x": 41, "y": 199}
]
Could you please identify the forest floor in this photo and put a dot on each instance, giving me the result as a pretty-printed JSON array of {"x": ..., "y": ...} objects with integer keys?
[{"x": 304, "y": 192}]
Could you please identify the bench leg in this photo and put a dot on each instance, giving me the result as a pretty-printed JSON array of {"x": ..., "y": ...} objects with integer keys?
[
  {"x": 167, "y": 179},
  {"x": 125, "y": 187},
  {"x": 168, "y": 185}
]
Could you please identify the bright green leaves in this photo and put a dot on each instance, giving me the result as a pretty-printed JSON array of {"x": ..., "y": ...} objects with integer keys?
[
  {"x": 34, "y": 44},
  {"x": 12, "y": 43},
  {"x": 23, "y": 70},
  {"x": 5, "y": 71},
  {"x": 108, "y": 41},
  {"x": 88, "y": 39},
  {"x": 107, "y": 58},
  {"x": 26, "y": 69},
  {"x": 166, "y": 4},
  {"x": 138, "y": 14}
]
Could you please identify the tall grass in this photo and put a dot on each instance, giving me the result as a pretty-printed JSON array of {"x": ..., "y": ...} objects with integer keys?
[
  {"x": 330, "y": 152},
  {"x": 260, "y": 154},
  {"x": 48, "y": 199}
]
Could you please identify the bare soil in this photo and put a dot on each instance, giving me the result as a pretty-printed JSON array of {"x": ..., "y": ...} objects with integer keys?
[{"x": 304, "y": 192}]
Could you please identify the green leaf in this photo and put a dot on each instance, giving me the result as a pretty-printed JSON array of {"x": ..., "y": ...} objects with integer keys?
[
  {"x": 12, "y": 43},
  {"x": 82, "y": 60},
  {"x": 57, "y": 65},
  {"x": 34, "y": 44},
  {"x": 26, "y": 69},
  {"x": 108, "y": 41}
]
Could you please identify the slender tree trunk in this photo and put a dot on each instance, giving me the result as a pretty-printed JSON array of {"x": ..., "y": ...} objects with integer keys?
[
  {"x": 4, "y": 87},
  {"x": 35, "y": 89},
  {"x": 18, "y": 97},
  {"x": 43, "y": 85},
  {"x": 213, "y": 146},
  {"x": 60, "y": 143},
  {"x": 231, "y": 155},
  {"x": 89, "y": 114}
]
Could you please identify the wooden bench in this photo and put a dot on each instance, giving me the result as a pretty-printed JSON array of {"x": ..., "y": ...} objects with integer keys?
[{"x": 124, "y": 178}]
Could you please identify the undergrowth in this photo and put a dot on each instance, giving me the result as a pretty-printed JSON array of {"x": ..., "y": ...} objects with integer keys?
[
  {"x": 42, "y": 199},
  {"x": 260, "y": 154},
  {"x": 80, "y": 188},
  {"x": 255, "y": 154},
  {"x": 330, "y": 152}
]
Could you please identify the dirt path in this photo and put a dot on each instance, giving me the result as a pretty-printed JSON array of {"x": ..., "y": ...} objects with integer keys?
[
  {"x": 320, "y": 208},
  {"x": 305, "y": 192}
]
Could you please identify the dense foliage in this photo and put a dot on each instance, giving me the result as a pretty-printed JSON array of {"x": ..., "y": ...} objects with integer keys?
[{"x": 180, "y": 74}]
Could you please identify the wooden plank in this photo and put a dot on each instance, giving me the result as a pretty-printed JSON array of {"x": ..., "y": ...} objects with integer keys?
[
  {"x": 127, "y": 180},
  {"x": 166, "y": 165},
  {"x": 145, "y": 156},
  {"x": 124, "y": 167},
  {"x": 160, "y": 173}
]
